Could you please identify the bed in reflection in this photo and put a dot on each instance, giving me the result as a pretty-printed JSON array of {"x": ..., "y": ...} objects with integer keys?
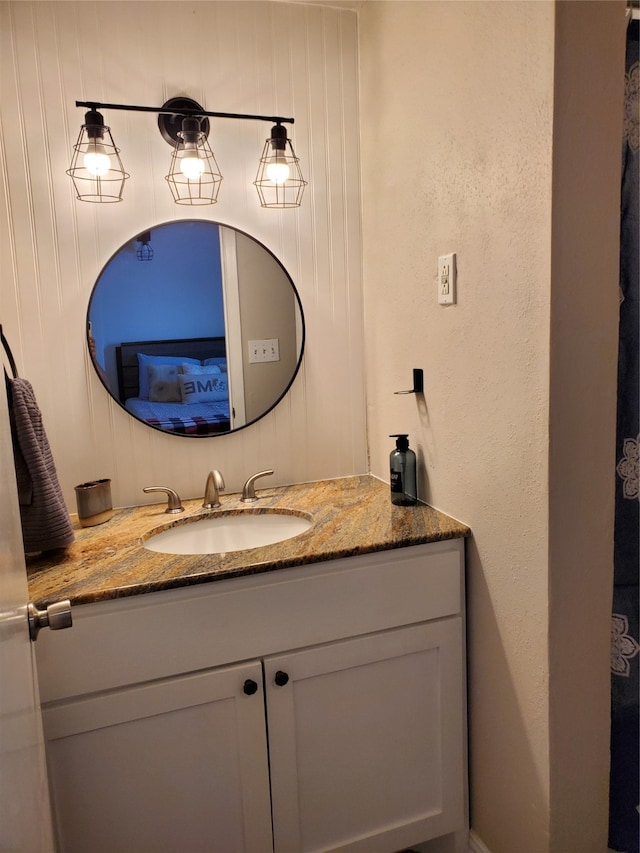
[{"x": 178, "y": 386}]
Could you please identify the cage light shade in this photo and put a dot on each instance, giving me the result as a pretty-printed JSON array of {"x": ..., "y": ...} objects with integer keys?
[
  {"x": 96, "y": 168},
  {"x": 188, "y": 184},
  {"x": 144, "y": 252},
  {"x": 279, "y": 181}
]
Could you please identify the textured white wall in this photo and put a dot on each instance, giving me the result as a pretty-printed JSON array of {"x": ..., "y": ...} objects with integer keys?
[
  {"x": 260, "y": 57},
  {"x": 472, "y": 148},
  {"x": 458, "y": 155}
]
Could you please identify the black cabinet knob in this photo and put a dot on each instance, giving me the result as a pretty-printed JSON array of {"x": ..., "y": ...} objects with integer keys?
[
  {"x": 250, "y": 687},
  {"x": 281, "y": 678}
]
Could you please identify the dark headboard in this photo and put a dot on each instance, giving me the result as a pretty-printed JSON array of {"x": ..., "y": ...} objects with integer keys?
[{"x": 127, "y": 357}]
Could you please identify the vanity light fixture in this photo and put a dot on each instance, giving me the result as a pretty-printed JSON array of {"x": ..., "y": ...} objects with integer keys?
[
  {"x": 144, "y": 252},
  {"x": 96, "y": 168},
  {"x": 194, "y": 176},
  {"x": 279, "y": 180}
]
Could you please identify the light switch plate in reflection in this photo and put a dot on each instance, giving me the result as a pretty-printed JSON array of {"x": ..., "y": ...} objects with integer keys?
[{"x": 268, "y": 350}]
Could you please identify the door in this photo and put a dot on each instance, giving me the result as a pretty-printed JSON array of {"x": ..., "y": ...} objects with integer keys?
[
  {"x": 25, "y": 820},
  {"x": 178, "y": 764},
  {"x": 366, "y": 741},
  {"x": 233, "y": 327}
]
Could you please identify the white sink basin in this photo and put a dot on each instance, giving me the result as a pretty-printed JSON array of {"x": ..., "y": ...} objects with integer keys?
[{"x": 223, "y": 532}]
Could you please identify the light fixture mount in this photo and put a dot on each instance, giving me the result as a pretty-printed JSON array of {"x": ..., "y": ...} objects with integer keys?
[
  {"x": 278, "y": 138},
  {"x": 170, "y": 123},
  {"x": 94, "y": 123}
]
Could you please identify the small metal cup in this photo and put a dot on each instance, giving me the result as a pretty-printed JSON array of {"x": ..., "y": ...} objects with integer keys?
[{"x": 94, "y": 502}]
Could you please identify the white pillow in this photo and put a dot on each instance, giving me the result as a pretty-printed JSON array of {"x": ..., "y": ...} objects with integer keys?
[
  {"x": 199, "y": 369},
  {"x": 218, "y": 361},
  {"x": 163, "y": 383},
  {"x": 203, "y": 388},
  {"x": 144, "y": 361}
]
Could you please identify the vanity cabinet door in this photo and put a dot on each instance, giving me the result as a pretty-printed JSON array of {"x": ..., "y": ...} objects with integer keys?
[
  {"x": 172, "y": 765},
  {"x": 366, "y": 740}
]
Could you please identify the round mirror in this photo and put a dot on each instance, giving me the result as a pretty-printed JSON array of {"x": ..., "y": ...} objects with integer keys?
[{"x": 195, "y": 328}]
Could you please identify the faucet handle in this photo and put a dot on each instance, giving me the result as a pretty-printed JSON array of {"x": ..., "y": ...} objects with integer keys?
[
  {"x": 174, "y": 504},
  {"x": 248, "y": 490}
]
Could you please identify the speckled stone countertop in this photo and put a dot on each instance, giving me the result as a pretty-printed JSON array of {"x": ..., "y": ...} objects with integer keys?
[{"x": 350, "y": 516}]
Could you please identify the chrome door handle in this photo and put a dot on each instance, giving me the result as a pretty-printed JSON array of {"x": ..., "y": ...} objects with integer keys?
[{"x": 55, "y": 616}]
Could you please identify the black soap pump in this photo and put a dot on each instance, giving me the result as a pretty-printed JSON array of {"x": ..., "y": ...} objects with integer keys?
[{"x": 402, "y": 463}]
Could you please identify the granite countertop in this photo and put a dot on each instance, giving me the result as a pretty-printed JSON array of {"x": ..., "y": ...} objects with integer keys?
[{"x": 353, "y": 515}]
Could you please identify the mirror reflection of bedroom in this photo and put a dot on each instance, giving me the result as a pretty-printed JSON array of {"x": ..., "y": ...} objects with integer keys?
[{"x": 195, "y": 328}]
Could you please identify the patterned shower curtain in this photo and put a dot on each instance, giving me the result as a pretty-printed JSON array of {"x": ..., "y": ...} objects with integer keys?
[{"x": 625, "y": 748}]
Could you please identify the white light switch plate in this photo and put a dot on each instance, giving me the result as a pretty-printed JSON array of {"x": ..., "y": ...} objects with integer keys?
[
  {"x": 267, "y": 350},
  {"x": 447, "y": 279}
]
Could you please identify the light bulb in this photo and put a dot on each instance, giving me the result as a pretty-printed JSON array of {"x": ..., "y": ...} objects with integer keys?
[
  {"x": 191, "y": 165},
  {"x": 278, "y": 169},
  {"x": 96, "y": 160}
]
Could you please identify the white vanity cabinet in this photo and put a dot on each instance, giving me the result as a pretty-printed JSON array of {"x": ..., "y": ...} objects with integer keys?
[{"x": 311, "y": 709}]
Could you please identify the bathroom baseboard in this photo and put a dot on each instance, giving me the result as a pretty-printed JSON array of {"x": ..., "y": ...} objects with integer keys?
[{"x": 476, "y": 845}]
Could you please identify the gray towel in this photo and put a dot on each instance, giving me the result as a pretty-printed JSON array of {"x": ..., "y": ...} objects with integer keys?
[{"x": 45, "y": 520}]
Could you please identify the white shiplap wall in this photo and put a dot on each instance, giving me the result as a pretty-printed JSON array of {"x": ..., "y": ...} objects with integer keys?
[{"x": 253, "y": 57}]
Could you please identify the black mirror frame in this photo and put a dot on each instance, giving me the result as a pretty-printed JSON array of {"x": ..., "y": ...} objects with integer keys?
[{"x": 98, "y": 369}]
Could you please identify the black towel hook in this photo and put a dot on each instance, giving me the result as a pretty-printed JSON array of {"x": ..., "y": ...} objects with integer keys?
[
  {"x": 11, "y": 359},
  {"x": 418, "y": 383}
]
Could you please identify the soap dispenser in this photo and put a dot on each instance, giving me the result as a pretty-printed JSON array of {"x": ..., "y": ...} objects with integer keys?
[{"x": 402, "y": 462}]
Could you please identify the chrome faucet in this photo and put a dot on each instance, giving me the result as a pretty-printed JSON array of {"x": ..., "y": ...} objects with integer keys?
[
  {"x": 215, "y": 485},
  {"x": 248, "y": 490}
]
